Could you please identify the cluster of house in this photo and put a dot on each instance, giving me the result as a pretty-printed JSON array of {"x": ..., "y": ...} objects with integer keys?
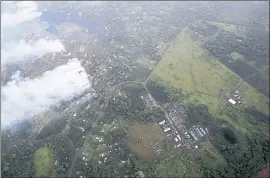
[
  {"x": 236, "y": 98},
  {"x": 177, "y": 117},
  {"x": 196, "y": 133},
  {"x": 177, "y": 114},
  {"x": 170, "y": 133}
]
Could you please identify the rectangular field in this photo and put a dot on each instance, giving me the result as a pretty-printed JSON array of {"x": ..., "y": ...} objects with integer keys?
[{"x": 146, "y": 140}]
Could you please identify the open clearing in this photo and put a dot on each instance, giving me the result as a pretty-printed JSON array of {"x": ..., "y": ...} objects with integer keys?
[
  {"x": 43, "y": 160},
  {"x": 254, "y": 98},
  {"x": 238, "y": 119},
  {"x": 188, "y": 66},
  {"x": 234, "y": 117},
  {"x": 146, "y": 140}
]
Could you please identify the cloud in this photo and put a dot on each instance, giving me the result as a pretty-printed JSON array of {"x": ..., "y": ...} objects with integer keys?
[
  {"x": 24, "y": 98},
  {"x": 26, "y": 11},
  {"x": 19, "y": 51},
  {"x": 14, "y": 51}
]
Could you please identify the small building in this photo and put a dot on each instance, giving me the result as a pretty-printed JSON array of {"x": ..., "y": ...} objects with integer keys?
[
  {"x": 232, "y": 101},
  {"x": 179, "y": 138},
  {"x": 176, "y": 140},
  {"x": 202, "y": 131},
  {"x": 162, "y": 122},
  {"x": 193, "y": 135},
  {"x": 167, "y": 129},
  {"x": 187, "y": 135},
  {"x": 198, "y": 132}
]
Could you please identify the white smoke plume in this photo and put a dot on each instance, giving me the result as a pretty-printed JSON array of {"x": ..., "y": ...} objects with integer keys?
[{"x": 24, "y": 98}]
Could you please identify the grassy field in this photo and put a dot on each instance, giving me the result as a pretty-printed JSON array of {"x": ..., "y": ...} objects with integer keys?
[
  {"x": 43, "y": 160},
  {"x": 234, "y": 118},
  {"x": 238, "y": 119},
  {"x": 212, "y": 102},
  {"x": 211, "y": 157},
  {"x": 254, "y": 98},
  {"x": 146, "y": 140},
  {"x": 187, "y": 66}
]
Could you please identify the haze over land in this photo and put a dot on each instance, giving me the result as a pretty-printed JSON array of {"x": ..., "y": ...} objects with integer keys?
[{"x": 137, "y": 89}]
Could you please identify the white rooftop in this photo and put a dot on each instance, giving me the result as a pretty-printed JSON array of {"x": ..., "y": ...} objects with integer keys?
[
  {"x": 162, "y": 122},
  {"x": 232, "y": 101},
  {"x": 167, "y": 129}
]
